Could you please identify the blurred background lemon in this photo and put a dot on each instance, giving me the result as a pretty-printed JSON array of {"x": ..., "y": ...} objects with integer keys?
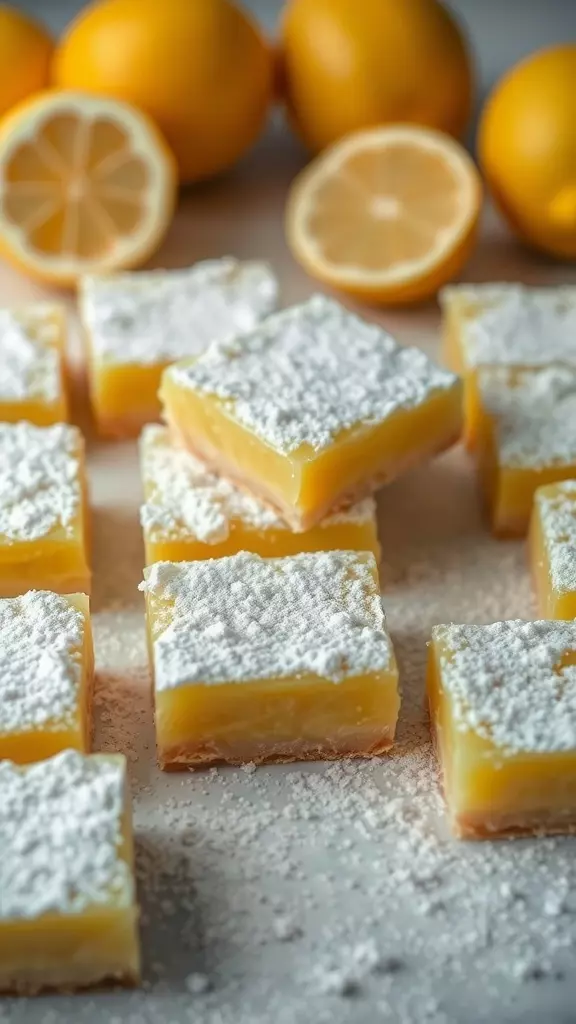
[
  {"x": 25, "y": 53},
  {"x": 200, "y": 68},
  {"x": 527, "y": 149},
  {"x": 387, "y": 214},
  {"x": 351, "y": 64}
]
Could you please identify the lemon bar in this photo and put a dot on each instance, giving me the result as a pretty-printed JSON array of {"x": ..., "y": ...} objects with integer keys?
[
  {"x": 312, "y": 410},
  {"x": 553, "y": 549},
  {"x": 191, "y": 513},
  {"x": 503, "y": 709},
  {"x": 270, "y": 659},
  {"x": 46, "y": 675},
  {"x": 43, "y": 510},
  {"x": 68, "y": 916},
  {"x": 136, "y": 324},
  {"x": 529, "y": 441},
  {"x": 505, "y": 325},
  {"x": 32, "y": 377}
]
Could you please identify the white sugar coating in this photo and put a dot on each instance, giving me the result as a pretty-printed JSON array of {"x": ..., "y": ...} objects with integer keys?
[
  {"x": 245, "y": 617},
  {"x": 163, "y": 315},
  {"x": 508, "y": 683},
  {"x": 534, "y": 415},
  {"x": 61, "y": 836},
  {"x": 40, "y": 487},
  {"x": 41, "y": 638},
  {"x": 523, "y": 327},
  {"x": 187, "y": 500},
  {"x": 310, "y": 372},
  {"x": 557, "y": 511},
  {"x": 29, "y": 359}
]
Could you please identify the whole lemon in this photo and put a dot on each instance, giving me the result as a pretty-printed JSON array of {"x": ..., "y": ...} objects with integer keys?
[
  {"x": 352, "y": 64},
  {"x": 200, "y": 68},
  {"x": 527, "y": 148},
  {"x": 25, "y": 54}
]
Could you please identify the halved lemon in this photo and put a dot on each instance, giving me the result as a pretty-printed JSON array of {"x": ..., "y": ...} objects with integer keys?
[
  {"x": 86, "y": 184},
  {"x": 388, "y": 214}
]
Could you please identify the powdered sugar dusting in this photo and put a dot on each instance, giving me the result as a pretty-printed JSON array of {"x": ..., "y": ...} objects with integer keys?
[
  {"x": 534, "y": 414},
  {"x": 163, "y": 315},
  {"x": 507, "y": 682},
  {"x": 40, "y": 486},
  {"x": 60, "y": 834},
  {"x": 311, "y": 372},
  {"x": 41, "y": 636},
  {"x": 29, "y": 357},
  {"x": 244, "y": 617},
  {"x": 188, "y": 501},
  {"x": 557, "y": 510},
  {"x": 522, "y": 327}
]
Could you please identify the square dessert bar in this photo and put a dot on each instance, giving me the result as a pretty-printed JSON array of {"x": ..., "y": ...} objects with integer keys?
[
  {"x": 553, "y": 549},
  {"x": 46, "y": 675},
  {"x": 68, "y": 916},
  {"x": 312, "y": 409},
  {"x": 503, "y": 709},
  {"x": 43, "y": 510},
  {"x": 529, "y": 440},
  {"x": 136, "y": 324},
  {"x": 270, "y": 659},
  {"x": 32, "y": 375},
  {"x": 505, "y": 325},
  {"x": 192, "y": 513}
]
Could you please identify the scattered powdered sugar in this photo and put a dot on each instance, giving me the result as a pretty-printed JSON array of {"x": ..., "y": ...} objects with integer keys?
[
  {"x": 557, "y": 511},
  {"x": 535, "y": 415},
  {"x": 245, "y": 617},
  {"x": 310, "y": 372},
  {"x": 60, "y": 835},
  {"x": 40, "y": 486},
  {"x": 507, "y": 682},
  {"x": 41, "y": 636},
  {"x": 186, "y": 499},
  {"x": 523, "y": 327},
  {"x": 29, "y": 360},
  {"x": 163, "y": 315}
]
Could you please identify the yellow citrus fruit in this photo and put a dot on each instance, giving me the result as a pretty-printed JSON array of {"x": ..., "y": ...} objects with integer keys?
[
  {"x": 352, "y": 64},
  {"x": 200, "y": 68},
  {"x": 387, "y": 214},
  {"x": 527, "y": 149},
  {"x": 87, "y": 184},
  {"x": 25, "y": 54}
]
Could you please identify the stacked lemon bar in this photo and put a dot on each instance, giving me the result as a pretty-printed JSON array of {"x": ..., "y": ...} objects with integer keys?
[
  {"x": 516, "y": 348},
  {"x": 266, "y": 631},
  {"x": 67, "y": 903}
]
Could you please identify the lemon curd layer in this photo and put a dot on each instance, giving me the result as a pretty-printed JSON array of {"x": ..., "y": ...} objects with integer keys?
[
  {"x": 312, "y": 409},
  {"x": 46, "y": 675},
  {"x": 68, "y": 914},
  {"x": 136, "y": 324},
  {"x": 270, "y": 659},
  {"x": 505, "y": 326},
  {"x": 190, "y": 512},
  {"x": 43, "y": 510},
  {"x": 32, "y": 364},
  {"x": 529, "y": 440},
  {"x": 503, "y": 709},
  {"x": 553, "y": 550}
]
